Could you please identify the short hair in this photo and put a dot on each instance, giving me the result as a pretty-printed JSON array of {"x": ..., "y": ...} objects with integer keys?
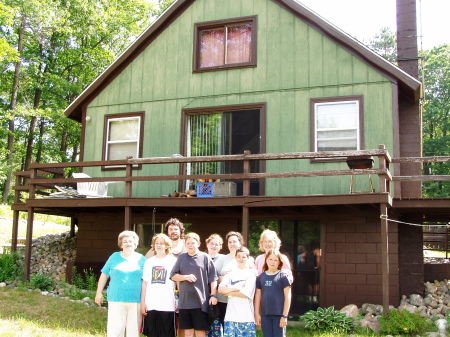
[
  {"x": 214, "y": 237},
  {"x": 167, "y": 242},
  {"x": 275, "y": 252},
  {"x": 237, "y": 234},
  {"x": 193, "y": 236},
  {"x": 272, "y": 236},
  {"x": 174, "y": 222},
  {"x": 128, "y": 233},
  {"x": 243, "y": 249}
]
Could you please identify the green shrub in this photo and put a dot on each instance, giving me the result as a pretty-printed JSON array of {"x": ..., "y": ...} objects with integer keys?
[
  {"x": 88, "y": 281},
  {"x": 9, "y": 269},
  {"x": 91, "y": 280},
  {"x": 42, "y": 282},
  {"x": 75, "y": 293},
  {"x": 402, "y": 322},
  {"x": 328, "y": 320},
  {"x": 77, "y": 278}
]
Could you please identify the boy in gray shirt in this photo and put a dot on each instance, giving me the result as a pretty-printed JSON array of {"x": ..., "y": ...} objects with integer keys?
[{"x": 196, "y": 275}]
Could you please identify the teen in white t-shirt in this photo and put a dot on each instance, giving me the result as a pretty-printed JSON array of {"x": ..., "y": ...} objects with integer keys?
[
  {"x": 157, "y": 294},
  {"x": 239, "y": 286}
]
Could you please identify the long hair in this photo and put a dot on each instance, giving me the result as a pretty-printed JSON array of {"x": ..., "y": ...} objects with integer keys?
[
  {"x": 167, "y": 242},
  {"x": 277, "y": 254}
]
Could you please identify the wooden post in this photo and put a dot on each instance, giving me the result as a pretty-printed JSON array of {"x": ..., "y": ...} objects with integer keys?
[
  {"x": 245, "y": 223},
  {"x": 29, "y": 239},
  {"x": 129, "y": 184},
  {"x": 73, "y": 222},
  {"x": 384, "y": 257},
  {"x": 128, "y": 194},
  {"x": 384, "y": 183},
  {"x": 29, "y": 235},
  {"x": 127, "y": 222},
  {"x": 16, "y": 215},
  {"x": 246, "y": 182},
  {"x": 15, "y": 230}
]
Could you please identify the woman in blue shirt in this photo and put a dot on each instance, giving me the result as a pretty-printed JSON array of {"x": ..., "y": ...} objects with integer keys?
[{"x": 125, "y": 269}]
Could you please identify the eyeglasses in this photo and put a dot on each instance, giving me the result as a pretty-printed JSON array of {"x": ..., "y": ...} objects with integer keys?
[{"x": 214, "y": 244}]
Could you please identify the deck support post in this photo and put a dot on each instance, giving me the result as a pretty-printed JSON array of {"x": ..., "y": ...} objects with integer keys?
[
  {"x": 29, "y": 235},
  {"x": 384, "y": 257},
  {"x": 127, "y": 218},
  {"x": 73, "y": 223},
  {"x": 15, "y": 230},
  {"x": 28, "y": 245},
  {"x": 245, "y": 223}
]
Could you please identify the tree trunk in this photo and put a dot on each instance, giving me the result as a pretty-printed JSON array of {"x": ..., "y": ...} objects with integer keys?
[
  {"x": 74, "y": 153},
  {"x": 63, "y": 147},
  {"x": 30, "y": 141},
  {"x": 12, "y": 106},
  {"x": 32, "y": 130},
  {"x": 40, "y": 140}
]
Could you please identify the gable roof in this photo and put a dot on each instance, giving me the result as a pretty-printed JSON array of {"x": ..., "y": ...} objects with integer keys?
[{"x": 408, "y": 86}]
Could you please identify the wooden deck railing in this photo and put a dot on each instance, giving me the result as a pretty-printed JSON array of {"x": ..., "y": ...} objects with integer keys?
[{"x": 36, "y": 182}]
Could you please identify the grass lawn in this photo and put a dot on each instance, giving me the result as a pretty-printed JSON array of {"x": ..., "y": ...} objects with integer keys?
[
  {"x": 28, "y": 313},
  {"x": 25, "y": 313}
]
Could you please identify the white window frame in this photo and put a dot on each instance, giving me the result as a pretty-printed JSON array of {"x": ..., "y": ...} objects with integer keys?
[
  {"x": 358, "y": 115},
  {"x": 111, "y": 119}
]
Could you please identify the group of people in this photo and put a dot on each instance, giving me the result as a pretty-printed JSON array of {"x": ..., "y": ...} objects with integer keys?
[{"x": 175, "y": 288}]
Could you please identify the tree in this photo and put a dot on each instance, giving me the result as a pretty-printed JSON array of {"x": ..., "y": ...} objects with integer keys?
[
  {"x": 435, "y": 75},
  {"x": 385, "y": 44},
  {"x": 62, "y": 46},
  {"x": 436, "y": 112}
]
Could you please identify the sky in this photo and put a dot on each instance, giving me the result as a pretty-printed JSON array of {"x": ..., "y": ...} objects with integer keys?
[{"x": 364, "y": 19}]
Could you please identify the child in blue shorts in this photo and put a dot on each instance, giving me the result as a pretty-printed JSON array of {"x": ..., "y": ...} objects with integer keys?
[{"x": 239, "y": 286}]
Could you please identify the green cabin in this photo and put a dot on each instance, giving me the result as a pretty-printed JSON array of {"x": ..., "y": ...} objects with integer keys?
[{"x": 256, "y": 77}]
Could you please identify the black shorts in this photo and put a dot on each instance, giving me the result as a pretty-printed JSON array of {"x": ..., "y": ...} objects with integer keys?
[
  {"x": 194, "y": 319},
  {"x": 159, "y": 323}
]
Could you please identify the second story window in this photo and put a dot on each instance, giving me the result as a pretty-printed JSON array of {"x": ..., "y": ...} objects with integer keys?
[
  {"x": 123, "y": 135},
  {"x": 225, "y": 44},
  {"x": 337, "y": 124}
]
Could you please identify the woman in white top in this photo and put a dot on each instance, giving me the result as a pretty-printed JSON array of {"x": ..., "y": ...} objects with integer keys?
[
  {"x": 269, "y": 240},
  {"x": 157, "y": 293}
]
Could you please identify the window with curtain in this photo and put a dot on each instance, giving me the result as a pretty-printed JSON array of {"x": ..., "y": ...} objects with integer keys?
[
  {"x": 337, "y": 126},
  {"x": 225, "y": 44},
  {"x": 123, "y": 136}
]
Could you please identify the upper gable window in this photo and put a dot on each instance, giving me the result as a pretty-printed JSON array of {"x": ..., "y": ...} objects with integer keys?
[
  {"x": 225, "y": 44},
  {"x": 338, "y": 124},
  {"x": 123, "y": 137}
]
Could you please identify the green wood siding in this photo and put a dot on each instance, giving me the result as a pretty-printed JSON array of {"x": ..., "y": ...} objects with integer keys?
[{"x": 294, "y": 64}]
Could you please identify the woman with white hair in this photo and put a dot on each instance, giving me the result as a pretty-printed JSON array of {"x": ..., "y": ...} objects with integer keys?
[
  {"x": 270, "y": 240},
  {"x": 125, "y": 269}
]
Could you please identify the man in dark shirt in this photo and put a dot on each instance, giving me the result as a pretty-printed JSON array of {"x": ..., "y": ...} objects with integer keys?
[{"x": 196, "y": 275}]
